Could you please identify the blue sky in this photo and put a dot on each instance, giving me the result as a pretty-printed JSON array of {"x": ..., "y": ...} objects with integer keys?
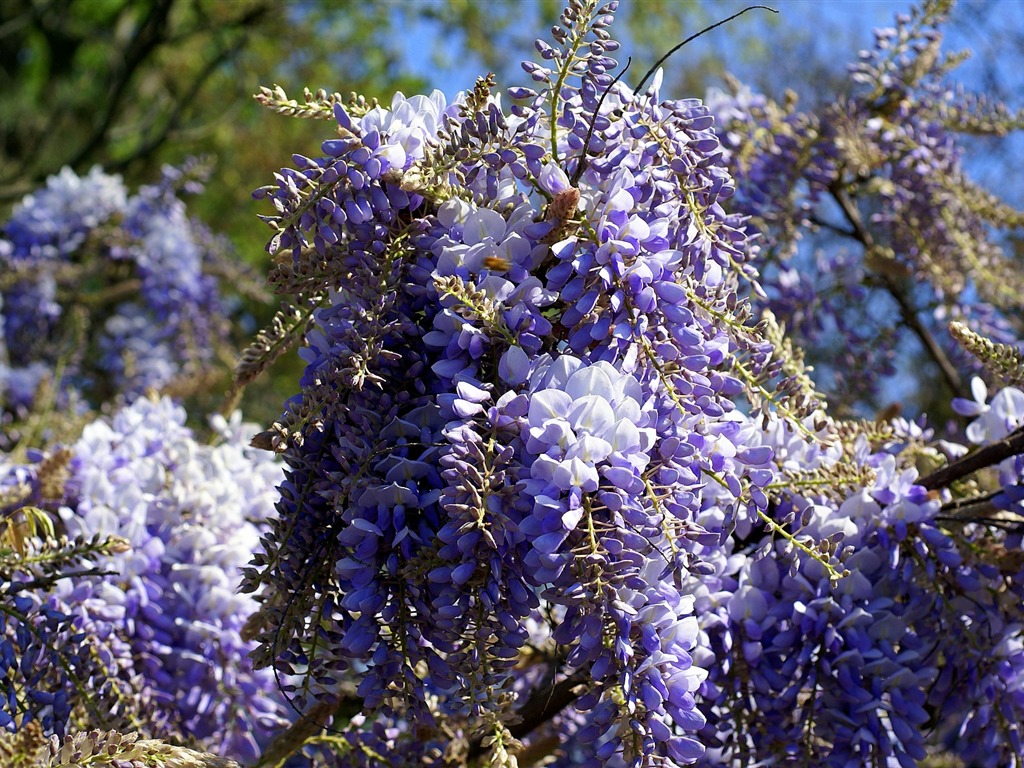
[{"x": 838, "y": 29}]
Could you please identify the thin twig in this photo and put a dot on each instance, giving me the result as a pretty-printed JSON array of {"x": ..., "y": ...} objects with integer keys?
[
  {"x": 663, "y": 59},
  {"x": 44, "y": 582},
  {"x": 582, "y": 164},
  {"x": 964, "y": 508}
]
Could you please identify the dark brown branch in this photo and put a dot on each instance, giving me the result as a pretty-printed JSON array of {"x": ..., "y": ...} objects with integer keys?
[
  {"x": 62, "y": 37},
  {"x": 545, "y": 704},
  {"x": 907, "y": 310},
  {"x": 937, "y": 353},
  {"x": 986, "y": 520},
  {"x": 829, "y": 226},
  {"x": 977, "y": 509},
  {"x": 45, "y": 582},
  {"x": 225, "y": 53},
  {"x": 148, "y": 38},
  {"x": 292, "y": 740},
  {"x": 173, "y": 120},
  {"x": 990, "y": 455}
]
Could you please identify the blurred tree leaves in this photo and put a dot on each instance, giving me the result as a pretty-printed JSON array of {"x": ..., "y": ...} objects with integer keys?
[{"x": 109, "y": 81}]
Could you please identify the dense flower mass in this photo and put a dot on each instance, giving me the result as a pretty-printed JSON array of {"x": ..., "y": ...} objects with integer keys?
[
  {"x": 515, "y": 392},
  {"x": 557, "y": 487},
  {"x": 105, "y": 291},
  {"x": 522, "y": 507},
  {"x": 153, "y": 610}
]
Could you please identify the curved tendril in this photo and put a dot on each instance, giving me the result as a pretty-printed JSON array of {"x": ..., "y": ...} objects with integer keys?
[
  {"x": 582, "y": 164},
  {"x": 662, "y": 60}
]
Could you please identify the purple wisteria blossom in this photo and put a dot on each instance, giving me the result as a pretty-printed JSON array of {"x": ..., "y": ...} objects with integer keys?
[
  {"x": 514, "y": 400},
  {"x": 875, "y": 237},
  {"x": 555, "y": 489}
]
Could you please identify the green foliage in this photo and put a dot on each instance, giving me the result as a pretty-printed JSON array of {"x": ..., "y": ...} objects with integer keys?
[{"x": 107, "y": 82}]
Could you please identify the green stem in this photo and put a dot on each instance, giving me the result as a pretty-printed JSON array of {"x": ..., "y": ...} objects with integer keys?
[{"x": 833, "y": 574}]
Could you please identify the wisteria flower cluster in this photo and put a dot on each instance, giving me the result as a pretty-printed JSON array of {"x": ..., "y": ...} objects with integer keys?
[
  {"x": 527, "y": 335},
  {"x": 875, "y": 236},
  {"x": 914, "y": 650},
  {"x": 126, "y": 614},
  {"x": 523, "y": 517},
  {"x": 106, "y": 292}
]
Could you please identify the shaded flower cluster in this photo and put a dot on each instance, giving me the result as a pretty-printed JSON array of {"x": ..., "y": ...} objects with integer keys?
[
  {"x": 834, "y": 672},
  {"x": 915, "y": 648},
  {"x": 106, "y": 292},
  {"x": 42, "y": 652}
]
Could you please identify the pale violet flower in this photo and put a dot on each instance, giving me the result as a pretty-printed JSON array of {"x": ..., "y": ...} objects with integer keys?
[
  {"x": 409, "y": 125},
  {"x": 995, "y": 419}
]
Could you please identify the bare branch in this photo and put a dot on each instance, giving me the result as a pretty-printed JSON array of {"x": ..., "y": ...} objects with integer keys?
[
  {"x": 907, "y": 310},
  {"x": 990, "y": 455}
]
